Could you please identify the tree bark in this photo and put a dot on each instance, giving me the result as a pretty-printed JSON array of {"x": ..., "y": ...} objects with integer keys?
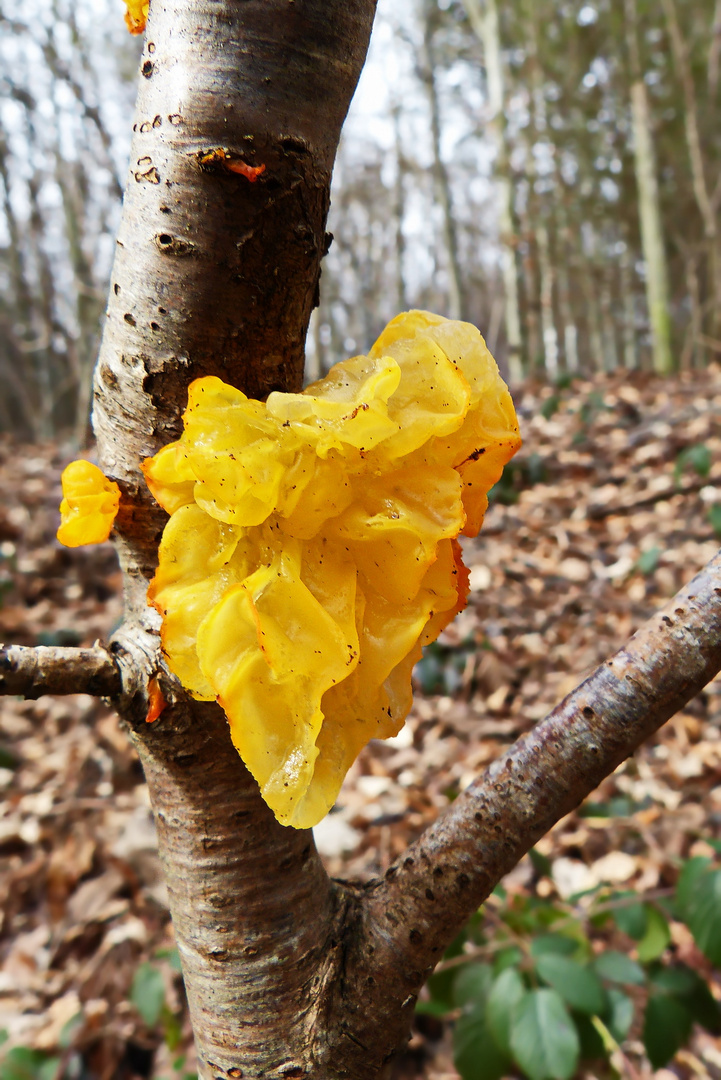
[{"x": 217, "y": 275}]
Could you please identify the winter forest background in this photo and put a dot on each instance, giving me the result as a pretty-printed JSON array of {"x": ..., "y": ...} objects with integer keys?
[{"x": 549, "y": 170}]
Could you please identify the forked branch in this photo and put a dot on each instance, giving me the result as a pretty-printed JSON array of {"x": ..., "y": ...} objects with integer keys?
[{"x": 408, "y": 919}]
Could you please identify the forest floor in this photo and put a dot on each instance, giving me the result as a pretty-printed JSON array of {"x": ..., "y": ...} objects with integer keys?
[{"x": 612, "y": 504}]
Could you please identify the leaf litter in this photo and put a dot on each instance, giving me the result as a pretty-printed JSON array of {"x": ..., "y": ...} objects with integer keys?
[{"x": 612, "y": 504}]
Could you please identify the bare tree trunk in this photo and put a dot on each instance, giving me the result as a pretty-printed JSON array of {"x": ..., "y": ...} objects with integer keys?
[
  {"x": 714, "y": 52},
  {"x": 693, "y": 352},
  {"x": 651, "y": 232},
  {"x": 568, "y": 318},
  {"x": 548, "y": 322},
  {"x": 25, "y": 336},
  {"x": 485, "y": 26},
  {"x": 47, "y": 328},
  {"x": 456, "y": 299},
  {"x": 652, "y": 240},
  {"x": 608, "y": 323},
  {"x": 589, "y": 287},
  {"x": 529, "y": 279},
  {"x": 314, "y": 363},
  {"x": 707, "y": 206},
  {"x": 399, "y": 211},
  {"x": 546, "y": 275},
  {"x": 630, "y": 353}
]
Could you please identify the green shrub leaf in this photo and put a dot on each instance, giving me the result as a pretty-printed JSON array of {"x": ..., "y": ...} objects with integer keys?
[
  {"x": 472, "y": 984},
  {"x": 148, "y": 993},
  {"x": 648, "y": 560},
  {"x": 592, "y": 1045},
  {"x": 544, "y": 1040},
  {"x": 440, "y": 985},
  {"x": 506, "y": 995},
  {"x": 714, "y": 518},
  {"x": 617, "y": 967},
  {"x": 702, "y": 913},
  {"x": 620, "y": 1014},
  {"x": 510, "y": 957},
  {"x": 476, "y": 1053},
  {"x": 22, "y": 1063},
  {"x": 577, "y": 984},
  {"x": 689, "y": 988},
  {"x": 553, "y": 943},
  {"x": 698, "y": 457},
  {"x": 692, "y": 872},
  {"x": 630, "y": 918},
  {"x": 666, "y": 1027},
  {"x": 656, "y": 938}
]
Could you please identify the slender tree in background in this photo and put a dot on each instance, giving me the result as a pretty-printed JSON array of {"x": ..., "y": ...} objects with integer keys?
[
  {"x": 657, "y": 291},
  {"x": 56, "y": 213},
  {"x": 399, "y": 212},
  {"x": 441, "y": 179},
  {"x": 706, "y": 202},
  {"x": 539, "y": 125},
  {"x": 485, "y": 25},
  {"x": 289, "y": 974}
]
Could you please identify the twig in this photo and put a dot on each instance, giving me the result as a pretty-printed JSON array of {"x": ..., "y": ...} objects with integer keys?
[{"x": 31, "y": 672}]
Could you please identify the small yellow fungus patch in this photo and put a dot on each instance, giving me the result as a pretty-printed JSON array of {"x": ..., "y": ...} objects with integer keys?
[
  {"x": 136, "y": 15},
  {"x": 311, "y": 550},
  {"x": 90, "y": 503}
]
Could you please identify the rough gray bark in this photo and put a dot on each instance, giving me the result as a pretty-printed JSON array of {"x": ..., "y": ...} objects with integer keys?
[{"x": 289, "y": 974}]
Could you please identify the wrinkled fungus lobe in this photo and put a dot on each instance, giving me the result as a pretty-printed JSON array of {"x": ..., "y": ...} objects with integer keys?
[
  {"x": 311, "y": 550},
  {"x": 136, "y": 15},
  {"x": 90, "y": 503}
]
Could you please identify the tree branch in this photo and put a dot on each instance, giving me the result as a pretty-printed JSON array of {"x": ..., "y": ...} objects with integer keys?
[
  {"x": 32, "y": 672},
  {"x": 407, "y": 920}
]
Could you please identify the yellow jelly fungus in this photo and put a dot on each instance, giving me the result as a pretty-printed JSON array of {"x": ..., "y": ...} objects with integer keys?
[
  {"x": 90, "y": 503},
  {"x": 311, "y": 550},
  {"x": 136, "y": 15}
]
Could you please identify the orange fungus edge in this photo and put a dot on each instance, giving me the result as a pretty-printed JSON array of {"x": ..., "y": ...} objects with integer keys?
[
  {"x": 463, "y": 582},
  {"x": 156, "y": 701},
  {"x": 136, "y": 15},
  {"x": 250, "y": 172}
]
